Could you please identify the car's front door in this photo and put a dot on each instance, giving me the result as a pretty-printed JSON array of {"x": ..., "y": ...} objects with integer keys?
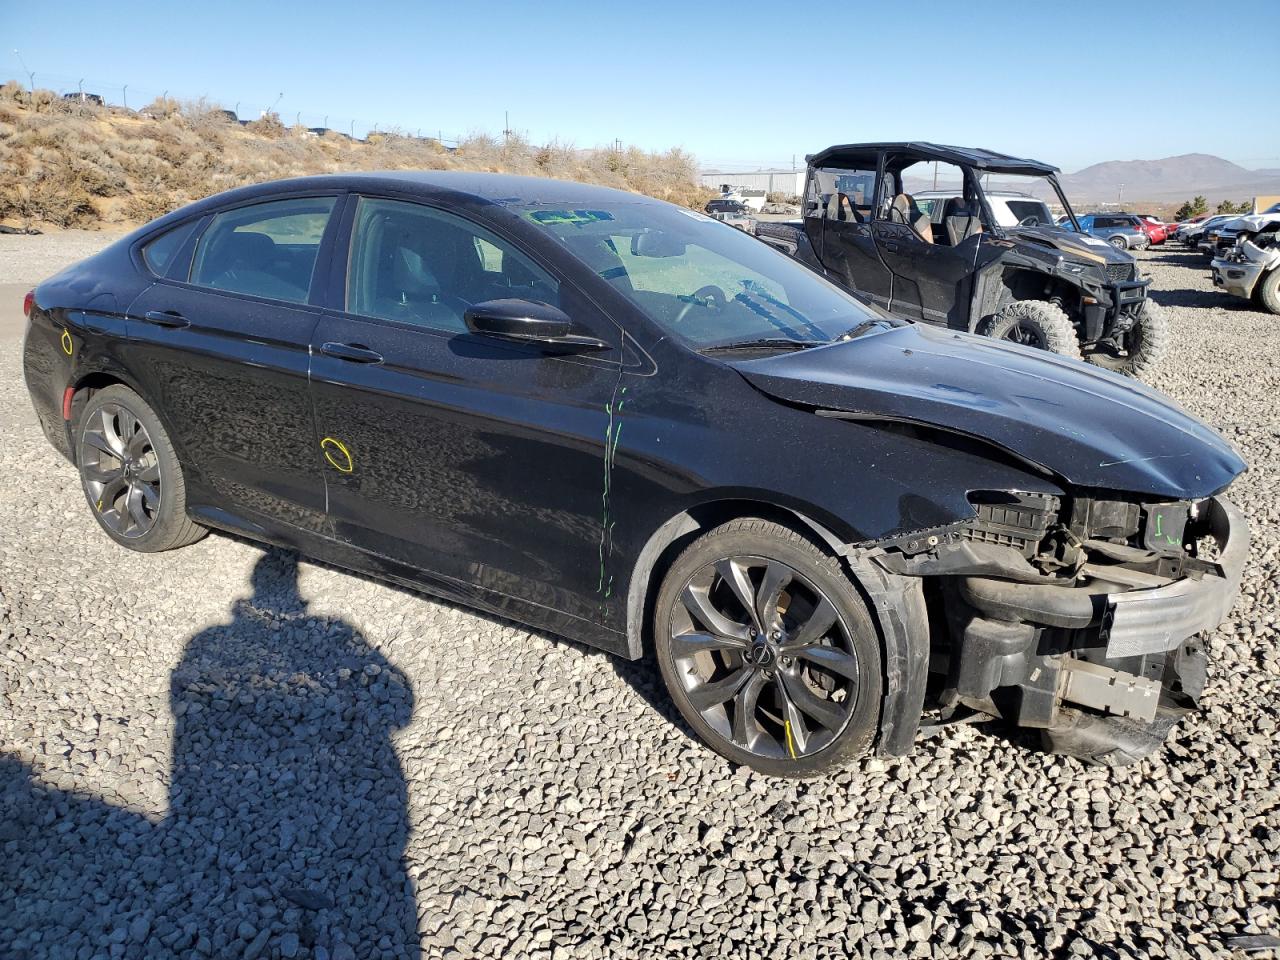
[
  {"x": 220, "y": 345},
  {"x": 477, "y": 460},
  {"x": 838, "y": 220},
  {"x": 932, "y": 280}
]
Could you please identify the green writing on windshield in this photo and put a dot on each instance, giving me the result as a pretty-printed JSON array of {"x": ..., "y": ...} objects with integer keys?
[{"x": 552, "y": 218}]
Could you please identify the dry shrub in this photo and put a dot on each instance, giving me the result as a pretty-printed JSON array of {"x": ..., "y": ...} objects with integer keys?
[{"x": 56, "y": 166}]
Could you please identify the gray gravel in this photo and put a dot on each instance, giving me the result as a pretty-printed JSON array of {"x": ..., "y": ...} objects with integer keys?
[{"x": 221, "y": 751}]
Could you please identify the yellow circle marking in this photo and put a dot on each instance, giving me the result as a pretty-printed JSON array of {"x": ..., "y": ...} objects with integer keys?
[
  {"x": 339, "y": 457},
  {"x": 67, "y": 345}
]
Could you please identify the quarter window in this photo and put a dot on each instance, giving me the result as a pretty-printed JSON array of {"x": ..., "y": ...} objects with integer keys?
[
  {"x": 267, "y": 250},
  {"x": 160, "y": 252},
  {"x": 419, "y": 265}
]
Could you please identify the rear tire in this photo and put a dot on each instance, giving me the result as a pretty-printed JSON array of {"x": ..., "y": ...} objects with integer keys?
[
  {"x": 1147, "y": 342},
  {"x": 130, "y": 473},
  {"x": 1269, "y": 291},
  {"x": 1035, "y": 323},
  {"x": 787, "y": 683}
]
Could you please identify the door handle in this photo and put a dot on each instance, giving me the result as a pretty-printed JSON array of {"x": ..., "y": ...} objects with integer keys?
[
  {"x": 351, "y": 351},
  {"x": 166, "y": 318}
]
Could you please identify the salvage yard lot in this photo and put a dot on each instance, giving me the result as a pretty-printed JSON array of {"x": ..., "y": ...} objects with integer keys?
[{"x": 519, "y": 795}]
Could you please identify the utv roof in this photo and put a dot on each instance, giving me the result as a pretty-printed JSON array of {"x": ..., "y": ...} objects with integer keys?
[{"x": 974, "y": 157}]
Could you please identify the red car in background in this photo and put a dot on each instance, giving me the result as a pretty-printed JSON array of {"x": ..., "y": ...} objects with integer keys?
[{"x": 1155, "y": 230}]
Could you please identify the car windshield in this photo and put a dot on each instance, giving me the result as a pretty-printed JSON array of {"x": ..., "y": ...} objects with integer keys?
[{"x": 703, "y": 281}]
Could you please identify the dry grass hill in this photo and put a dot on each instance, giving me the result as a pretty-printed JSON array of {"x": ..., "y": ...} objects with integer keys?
[{"x": 66, "y": 164}]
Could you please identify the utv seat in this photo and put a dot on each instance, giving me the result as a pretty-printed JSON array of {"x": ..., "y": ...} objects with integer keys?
[
  {"x": 961, "y": 220},
  {"x": 904, "y": 210}
]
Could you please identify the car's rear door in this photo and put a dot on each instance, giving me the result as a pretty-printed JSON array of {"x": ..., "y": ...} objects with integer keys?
[
  {"x": 221, "y": 343},
  {"x": 477, "y": 460}
]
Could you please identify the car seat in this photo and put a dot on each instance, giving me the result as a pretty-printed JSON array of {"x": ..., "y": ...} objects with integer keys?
[
  {"x": 961, "y": 220},
  {"x": 904, "y": 210}
]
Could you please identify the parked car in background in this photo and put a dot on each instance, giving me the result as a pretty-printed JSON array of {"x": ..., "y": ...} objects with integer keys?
[
  {"x": 733, "y": 212},
  {"x": 813, "y": 514},
  {"x": 1193, "y": 234},
  {"x": 1181, "y": 227},
  {"x": 1243, "y": 228},
  {"x": 1118, "y": 229},
  {"x": 1251, "y": 269},
  {"x": 1011, "y": 209},
  {"x": 1155, "y": 229}
]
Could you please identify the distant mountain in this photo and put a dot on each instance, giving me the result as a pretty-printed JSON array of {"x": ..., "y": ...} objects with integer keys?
[{"x": 1173, "y": 178}]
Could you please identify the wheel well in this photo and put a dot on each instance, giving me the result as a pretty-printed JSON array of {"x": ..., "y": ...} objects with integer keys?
[
  {"x": 669, "y": 540},
  {"x": 86, "y": 387},
  {"x": 1020, "y": 284}
]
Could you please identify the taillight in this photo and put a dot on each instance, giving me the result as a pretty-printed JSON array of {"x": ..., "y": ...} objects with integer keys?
[{"x": 28, "y": 302}]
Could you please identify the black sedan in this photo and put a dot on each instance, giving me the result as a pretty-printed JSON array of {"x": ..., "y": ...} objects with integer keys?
[{"x": 618, "y": 420}]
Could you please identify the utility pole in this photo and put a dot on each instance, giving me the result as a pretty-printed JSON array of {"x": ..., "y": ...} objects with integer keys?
[
  {"x": 935, "y": 174},
  {"x": 353, "y": 129},
  {"x": 271, "y": 109},
  {"x": 124, "y": 95},
  {"x": 80, "y": 87},
  {"x": 1120, "y": 196},
  {"x": 31, "y": 74},
  {"x": 506, "y": 125}
]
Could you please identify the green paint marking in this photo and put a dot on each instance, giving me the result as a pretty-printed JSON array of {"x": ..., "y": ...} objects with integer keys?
[{"x": 1159, "y": 524}]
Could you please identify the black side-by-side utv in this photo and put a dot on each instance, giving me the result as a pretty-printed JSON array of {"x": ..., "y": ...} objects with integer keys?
[{"x": 970, "y": 254}]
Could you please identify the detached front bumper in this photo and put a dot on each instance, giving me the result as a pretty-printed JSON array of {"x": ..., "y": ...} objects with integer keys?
[
  {"x": 1026, "y": 648},
  {"x": 1236, "y": 278}
]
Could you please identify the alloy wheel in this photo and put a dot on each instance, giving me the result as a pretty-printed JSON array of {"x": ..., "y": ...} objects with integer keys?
[
  {"x": 764, "y": 657},
  {"x": 121, "y": 470},
  {"x": 1027, "y": 334}
]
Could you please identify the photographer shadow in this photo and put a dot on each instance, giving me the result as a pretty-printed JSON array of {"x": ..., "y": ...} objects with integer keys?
[{"x": 287, "y": 818}]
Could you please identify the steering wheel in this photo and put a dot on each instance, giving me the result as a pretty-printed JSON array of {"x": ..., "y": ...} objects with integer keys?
[
  {"x": 709, "y": 297},
  {"x": 1031, "y": 221}
]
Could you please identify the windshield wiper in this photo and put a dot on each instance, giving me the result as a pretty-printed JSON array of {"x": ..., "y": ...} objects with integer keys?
[
  {"x": 859, "y": 329},
  {"x": 764, "y": 343}
]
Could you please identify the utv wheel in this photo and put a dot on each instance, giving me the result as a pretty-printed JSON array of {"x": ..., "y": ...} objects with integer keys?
[
  {"x": 768, "y": 650},
  {"x": 1035, "y": 323},
  {"x": 1145, "y": 344},
  {"x": 131, "y": 475},
  {"x": 1120, "y": 243},
  {"x": 1269, "y": 291}
]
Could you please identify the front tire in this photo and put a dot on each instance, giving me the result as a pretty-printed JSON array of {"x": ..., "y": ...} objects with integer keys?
[
  {"x": 768, "y": 651},
  {"x": 1120, "y": 243},
  {"x": 130, "y": 473},
  {"x": 1145, "y": 343},
  {"x": 1269, "y": 291},
  {"x": 1035, "y": 323}
]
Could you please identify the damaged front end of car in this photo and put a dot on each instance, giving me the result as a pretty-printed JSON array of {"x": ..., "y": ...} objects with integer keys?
[{"x": 1046, "y": 605}]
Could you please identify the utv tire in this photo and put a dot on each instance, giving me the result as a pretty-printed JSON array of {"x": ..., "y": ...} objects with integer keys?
[
  {"x": 768, "y": 650},
  {"x": 1107, "y": 741},
  {"x": 1035, "y": 323},
  {"x": 131, "y": 475},
  {"x": 1148, "y": 340},
  {"x": 1269, "y": 291}
]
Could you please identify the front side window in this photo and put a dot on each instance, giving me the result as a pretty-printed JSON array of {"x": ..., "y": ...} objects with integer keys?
[
  {"x": 266, "y": 250},
  {"x": 423, "y": 266},
  {"x": 841, "y": 195},
  {"x": 700, "y": 280}
]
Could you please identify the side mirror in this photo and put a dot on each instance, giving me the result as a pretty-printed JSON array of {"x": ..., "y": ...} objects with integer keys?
[{"x": 528, "y": 321}]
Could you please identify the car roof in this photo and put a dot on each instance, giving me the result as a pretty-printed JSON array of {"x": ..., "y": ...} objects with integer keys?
[
  {"x": 1003, "y": 194},
  {"x": 495, "y": 188},
  {"x": 966, "y": 156}
]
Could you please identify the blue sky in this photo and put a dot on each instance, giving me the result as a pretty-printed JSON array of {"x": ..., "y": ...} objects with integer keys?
[{"x": 737, "y": 84}]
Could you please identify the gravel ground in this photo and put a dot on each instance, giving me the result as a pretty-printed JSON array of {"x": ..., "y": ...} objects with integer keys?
[{"x": 222, "y": 751}]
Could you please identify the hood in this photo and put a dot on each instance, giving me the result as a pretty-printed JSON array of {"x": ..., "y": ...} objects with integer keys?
[
  {"x": 1076, "y": 246},
  {"x": 1090, "y": 427},
  {"x": 1253, "y": 221}
]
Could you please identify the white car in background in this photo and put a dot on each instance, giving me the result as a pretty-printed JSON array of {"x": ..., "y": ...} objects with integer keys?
[{"x": 1010, "y": 209}]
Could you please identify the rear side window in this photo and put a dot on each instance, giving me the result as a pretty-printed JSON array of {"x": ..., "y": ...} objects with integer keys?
[
  {"x": 267, "y": 250},
  {"x": 160, "y": 252},
  {"x": 843, "y": 195}
]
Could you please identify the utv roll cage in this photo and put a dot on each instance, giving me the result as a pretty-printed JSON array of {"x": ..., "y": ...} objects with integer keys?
[{"x": 971, "y": 158}]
